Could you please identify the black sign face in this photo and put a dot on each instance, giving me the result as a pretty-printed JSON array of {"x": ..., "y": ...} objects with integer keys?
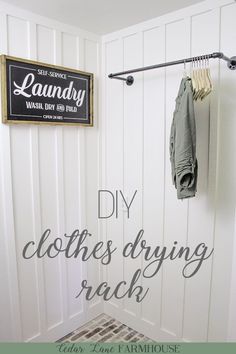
[{"x": 34, "y": 92}]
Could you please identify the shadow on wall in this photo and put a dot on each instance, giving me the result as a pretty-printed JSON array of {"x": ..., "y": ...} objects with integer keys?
[{"x": 209, "y": 154}]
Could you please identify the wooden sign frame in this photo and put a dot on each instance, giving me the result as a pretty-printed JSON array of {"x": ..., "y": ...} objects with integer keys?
[{"x": 63, "y": 109}]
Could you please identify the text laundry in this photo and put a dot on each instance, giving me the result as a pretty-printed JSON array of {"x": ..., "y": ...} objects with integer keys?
[{"x": 29, "y": 88}]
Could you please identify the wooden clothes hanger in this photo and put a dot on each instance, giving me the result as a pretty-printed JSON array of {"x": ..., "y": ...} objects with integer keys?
[{"x": 201, "y": 78}]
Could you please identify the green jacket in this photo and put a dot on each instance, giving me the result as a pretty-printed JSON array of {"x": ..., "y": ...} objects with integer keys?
[{"x": 183, "y": 143}]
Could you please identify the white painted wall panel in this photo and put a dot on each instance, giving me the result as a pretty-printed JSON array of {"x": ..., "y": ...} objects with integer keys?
[
  {"x": 41, "y": 187},
  {"x": 72, "y": 207},
  {"x": 91, "y": 168},
  {"x": 91, "y": 143},
  {"x": 193, "y": 309},
  {"x": 154, "y": 162},
  {"x": 45, "y": 44},
  {"x": 17, "y": 39},
  {"x": 226, "y": 181},
  {"x": 72, "y": 192},
  {"x": 201, "y": 210},
  {"x": 49, "y": 212},
  {"x": 176, "y": 212},
  {"x": 70, "y": 50},
  {"x": 24, "y": 230},
  {"x": 133, "y": 158},
  {"x": 18, "y": 45},
  {"x": 5, "y": 329},
  {"x": 113, "y": 141},
  {"x": 232, "y": 305}
]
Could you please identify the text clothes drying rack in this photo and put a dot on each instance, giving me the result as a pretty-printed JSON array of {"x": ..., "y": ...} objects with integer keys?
[{"x": 231, "y": 63}]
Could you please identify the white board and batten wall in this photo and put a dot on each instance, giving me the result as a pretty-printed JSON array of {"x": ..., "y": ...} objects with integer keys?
[
  {"x": 49, "y": 177},
  {"x": 45, "y": 182},
  {"x": 135, "y": 134}
]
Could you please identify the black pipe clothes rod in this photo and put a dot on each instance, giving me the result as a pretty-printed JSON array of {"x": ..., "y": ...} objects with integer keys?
[{"x": 231, "y": 63}]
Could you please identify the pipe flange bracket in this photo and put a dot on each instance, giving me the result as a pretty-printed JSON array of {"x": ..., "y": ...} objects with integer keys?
[
  {"x": 232, "y": 63},
  {"x": 129, "y": 80}
]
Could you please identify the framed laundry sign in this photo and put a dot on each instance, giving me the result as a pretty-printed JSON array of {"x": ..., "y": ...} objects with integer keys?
[{"x": 34, "y": 92}]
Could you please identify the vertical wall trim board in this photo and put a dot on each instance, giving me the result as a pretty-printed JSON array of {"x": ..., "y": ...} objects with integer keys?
[
  {"x": 164, "y": 182},
  {"x": 37, "y": 223},
  {"x": 123, "y": 157},
  {"x": 82, "y": 167},
  {"x": 43, "y": 275},
  {"x": 217, "y": 166},
  {"x": 61, "y": 216},
  {"x": 104, "y": 156},
  {"x": 189, "y": 50},
  {"x": 102, "y": 124},
  {"x": 143, "y": 147}
]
